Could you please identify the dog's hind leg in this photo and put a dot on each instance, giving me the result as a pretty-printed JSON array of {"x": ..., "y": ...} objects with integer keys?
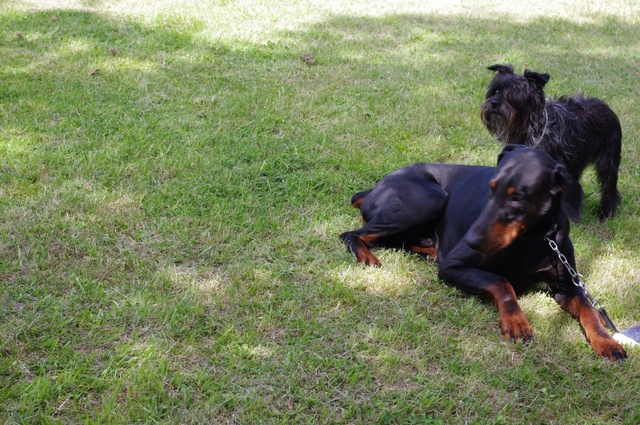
[
  {"x": 607, "y": 163},
  {"x": 358, "y": 242},
  {"x": 395, "y": 211}
]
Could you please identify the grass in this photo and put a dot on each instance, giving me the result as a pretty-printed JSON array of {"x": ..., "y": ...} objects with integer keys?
[{"x": 173, "y": 178}]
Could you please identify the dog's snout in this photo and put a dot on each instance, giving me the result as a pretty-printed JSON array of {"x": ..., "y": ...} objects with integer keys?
[{"x": 494, "y": 104}]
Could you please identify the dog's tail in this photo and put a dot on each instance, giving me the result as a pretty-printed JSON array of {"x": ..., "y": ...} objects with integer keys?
[{"x": 357, "y": 199}]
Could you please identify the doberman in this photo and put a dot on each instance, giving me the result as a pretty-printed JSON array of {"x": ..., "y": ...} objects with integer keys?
[{"x": 487, "y": 228}]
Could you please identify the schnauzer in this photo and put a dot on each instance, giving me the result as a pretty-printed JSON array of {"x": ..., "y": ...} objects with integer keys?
[{"x": 575, "y": 131}]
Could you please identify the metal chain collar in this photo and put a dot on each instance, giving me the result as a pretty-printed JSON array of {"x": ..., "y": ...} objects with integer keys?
[{"x": 576, "y": 278}]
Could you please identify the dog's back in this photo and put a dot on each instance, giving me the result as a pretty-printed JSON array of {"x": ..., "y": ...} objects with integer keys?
[{"x": 572, "y": 116}]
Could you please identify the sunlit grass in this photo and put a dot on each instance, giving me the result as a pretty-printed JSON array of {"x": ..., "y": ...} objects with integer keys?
[{"x": 174, "y": 177}]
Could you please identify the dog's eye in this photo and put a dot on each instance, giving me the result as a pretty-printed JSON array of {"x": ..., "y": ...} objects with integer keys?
[{"x": 517, "y": 207}]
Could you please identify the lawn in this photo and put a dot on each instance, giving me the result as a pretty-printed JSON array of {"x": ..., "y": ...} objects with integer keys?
[{"x": 174, "y": 176}]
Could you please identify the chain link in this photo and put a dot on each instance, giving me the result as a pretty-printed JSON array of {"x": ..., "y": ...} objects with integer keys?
[{"x": 576, "y": 277}]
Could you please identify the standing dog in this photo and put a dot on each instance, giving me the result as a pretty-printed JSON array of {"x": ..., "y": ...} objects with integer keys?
[
  {"x": 487, "y": 227},
  {"x": 575, "y": 131}
]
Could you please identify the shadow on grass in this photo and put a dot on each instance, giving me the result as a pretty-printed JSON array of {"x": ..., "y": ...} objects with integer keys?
[{"x": 146, "y": 158}]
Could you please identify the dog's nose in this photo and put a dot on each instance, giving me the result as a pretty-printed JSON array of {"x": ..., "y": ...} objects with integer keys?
[{"x": 495, "y": 104}]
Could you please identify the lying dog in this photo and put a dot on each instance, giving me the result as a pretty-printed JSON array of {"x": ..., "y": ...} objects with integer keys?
[{"x": 486, "y": 227}]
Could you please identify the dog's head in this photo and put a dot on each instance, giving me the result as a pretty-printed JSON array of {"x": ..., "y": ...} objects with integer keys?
[
  {"x": 530, "y": 192},
  {"x": 512, "y": 102}
]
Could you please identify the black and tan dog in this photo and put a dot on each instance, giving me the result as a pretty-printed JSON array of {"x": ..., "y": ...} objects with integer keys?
[
  {"x": 486, "y": 227},
  {"x": 576, "y": 131}
]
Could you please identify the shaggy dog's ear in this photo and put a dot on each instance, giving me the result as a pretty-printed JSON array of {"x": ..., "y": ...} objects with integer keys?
[
  {"x": 538, "y": 80},
  {"x": 501, "y": 69}
]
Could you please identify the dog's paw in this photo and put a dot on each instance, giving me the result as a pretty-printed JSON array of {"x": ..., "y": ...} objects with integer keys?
[
  {"x": 515, "y": 327},
  {"x": 608, "y": 348},
  {"x": 368, "y": 259}
]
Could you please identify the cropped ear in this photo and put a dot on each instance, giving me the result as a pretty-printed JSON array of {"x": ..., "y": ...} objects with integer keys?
[
  {"x": 501, "y": 69},
  {"x": 538, "y": 80},
  {"x": 509, "y": 148},
  {"x": 572, "y": 194}
]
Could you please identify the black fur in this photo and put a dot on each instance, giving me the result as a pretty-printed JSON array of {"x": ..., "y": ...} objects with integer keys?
[
  {"x": 485, "y": 227},
  {"x": 575, "y": 131}
]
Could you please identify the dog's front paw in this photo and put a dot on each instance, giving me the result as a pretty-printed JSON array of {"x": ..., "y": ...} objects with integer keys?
[
  {"x": 515, "y": 327},
  {"x": 607, "y": 347}
]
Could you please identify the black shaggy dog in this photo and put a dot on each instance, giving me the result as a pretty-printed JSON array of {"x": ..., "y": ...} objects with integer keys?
[{"x": 576, "y": 131}]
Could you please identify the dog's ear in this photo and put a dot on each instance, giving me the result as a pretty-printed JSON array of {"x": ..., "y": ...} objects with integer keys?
[
  {"x": 572, "y": 193},
  {"x": 537, "y": 79},
  {"x": 509, "y": 148},
  {"x": 501, "y": 69}
]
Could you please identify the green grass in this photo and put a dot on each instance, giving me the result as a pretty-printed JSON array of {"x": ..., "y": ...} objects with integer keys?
[{"x": 174, "y": 177}]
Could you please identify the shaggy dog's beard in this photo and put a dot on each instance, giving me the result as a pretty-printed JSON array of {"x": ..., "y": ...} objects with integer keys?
[{"x": 499, "y": 121}]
